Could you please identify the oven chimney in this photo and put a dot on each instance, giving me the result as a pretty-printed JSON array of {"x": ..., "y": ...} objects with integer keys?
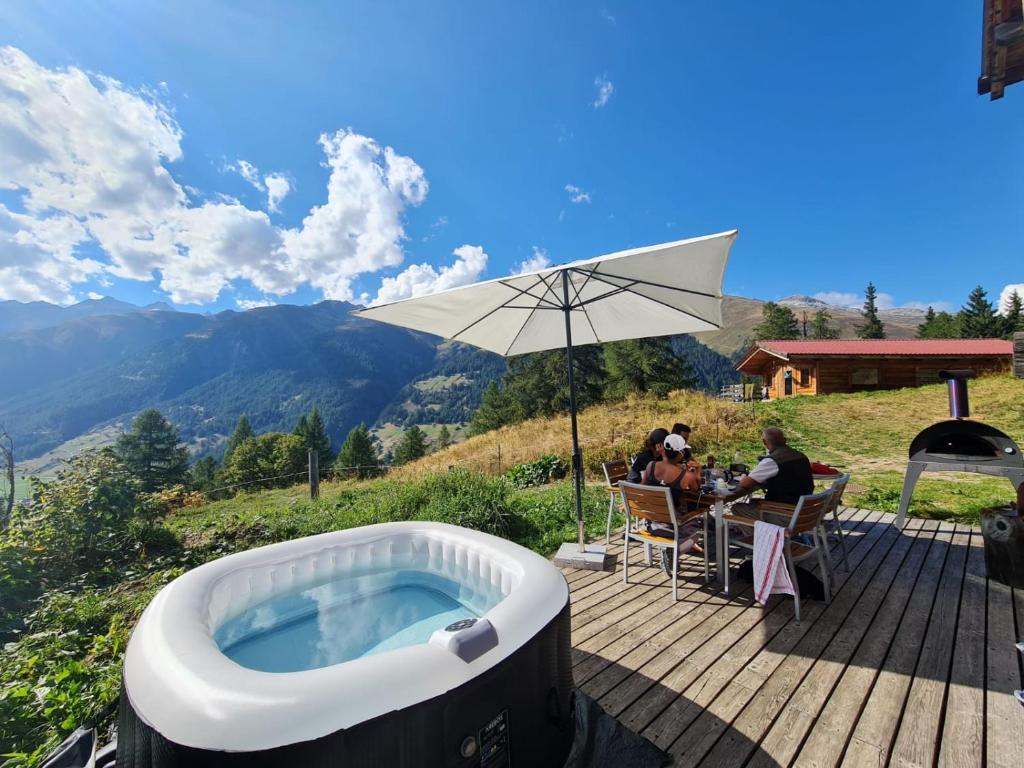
[{"x": 956, "y": 380}]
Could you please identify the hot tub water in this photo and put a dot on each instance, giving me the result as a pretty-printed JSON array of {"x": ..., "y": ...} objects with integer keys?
[{"x": 349, "y": 618}]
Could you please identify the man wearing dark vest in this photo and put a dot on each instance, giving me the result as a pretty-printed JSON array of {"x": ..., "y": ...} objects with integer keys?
[{"x": 785, "y": 475}]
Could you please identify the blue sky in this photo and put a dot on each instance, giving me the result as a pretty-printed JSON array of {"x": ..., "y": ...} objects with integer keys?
[{"x": 845, "y": 141}]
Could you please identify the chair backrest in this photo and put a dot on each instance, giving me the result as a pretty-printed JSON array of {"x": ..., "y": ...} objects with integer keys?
[
  {"x": 615, "y": 471},
  {"x": 838, "y": 487},
  {"x": 648, "y": 502},
  {"x": 809, "y": 511}
]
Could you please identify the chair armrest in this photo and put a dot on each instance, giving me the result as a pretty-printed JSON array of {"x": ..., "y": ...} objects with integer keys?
[{"x": 737, "y": 520}]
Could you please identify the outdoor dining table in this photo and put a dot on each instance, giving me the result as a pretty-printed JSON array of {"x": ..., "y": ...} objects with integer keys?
[{"x": 721, "y": 556}]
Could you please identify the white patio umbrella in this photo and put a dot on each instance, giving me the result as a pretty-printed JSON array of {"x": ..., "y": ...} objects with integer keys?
[{"x": 659, "y": 290}]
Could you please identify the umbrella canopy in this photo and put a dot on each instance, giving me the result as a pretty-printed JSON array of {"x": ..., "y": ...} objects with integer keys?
[{"x": 659, "y": 290}]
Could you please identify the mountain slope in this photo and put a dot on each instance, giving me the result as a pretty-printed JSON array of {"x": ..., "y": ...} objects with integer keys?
[
  {"x": 18, "y": 316},
  {"x": 272, "y": 364}
]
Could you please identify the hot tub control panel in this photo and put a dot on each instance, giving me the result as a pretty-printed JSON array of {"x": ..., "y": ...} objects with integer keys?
[
  {"x": 468, "y": 639},
  {"x": 493, "y": 741}
]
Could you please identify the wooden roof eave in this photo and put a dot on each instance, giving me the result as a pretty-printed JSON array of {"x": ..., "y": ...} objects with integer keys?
[{"x": 755, "y": 360}]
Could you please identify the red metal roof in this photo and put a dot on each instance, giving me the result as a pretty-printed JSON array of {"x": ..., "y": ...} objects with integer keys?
[{"x": 889, "y": 347}]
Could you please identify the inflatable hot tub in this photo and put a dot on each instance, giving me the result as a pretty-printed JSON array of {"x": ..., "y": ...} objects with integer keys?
[{"x": 402, "y": 644}]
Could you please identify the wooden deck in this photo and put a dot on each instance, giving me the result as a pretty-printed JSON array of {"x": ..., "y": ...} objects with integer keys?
[{"x": 913, "y": 663}]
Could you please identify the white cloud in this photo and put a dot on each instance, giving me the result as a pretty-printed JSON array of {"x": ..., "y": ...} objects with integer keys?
[
  {"x": 94, "y": 296},
  {"x": 278, "y": 187},
  {"x": 607, "y": 16},
  {"x": 605, "y": 89},
  {"x": 423, "y": 279},
  {"x": 1006, "y": 293},
  {"x": 539, "y": 260},
  {"x": 247, "y": 304},
  {"x": 88, "y": 157},
  {"x": 882, "y": 301},
  {"x": 576, "y": 194}
]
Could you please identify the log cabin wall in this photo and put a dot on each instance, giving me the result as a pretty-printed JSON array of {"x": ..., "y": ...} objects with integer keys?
[
  {"x": 1018, "y": 355},
  {"x": 862, "y": 373}
]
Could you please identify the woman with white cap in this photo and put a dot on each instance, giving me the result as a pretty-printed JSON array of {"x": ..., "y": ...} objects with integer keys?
[{"x": 678, "y": 472}]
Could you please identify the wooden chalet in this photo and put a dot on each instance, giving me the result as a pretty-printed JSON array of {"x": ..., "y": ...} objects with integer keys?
[
  {"x": 805, "y": 367},
  {"x": 1002, "y": 46}
]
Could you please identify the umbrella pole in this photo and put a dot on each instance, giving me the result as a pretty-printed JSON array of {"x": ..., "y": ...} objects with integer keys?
[{"x": 577, "y": 459}]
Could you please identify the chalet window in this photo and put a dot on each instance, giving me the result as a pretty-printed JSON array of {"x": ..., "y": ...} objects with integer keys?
[
  {"x": 864, "y": 377},
  {"x": 805, "y": 377}
]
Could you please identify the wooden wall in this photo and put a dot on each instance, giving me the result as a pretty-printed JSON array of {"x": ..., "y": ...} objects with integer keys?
[
  {"x": 1018, "y": 355},
  {"x": 857, "y": 374}
]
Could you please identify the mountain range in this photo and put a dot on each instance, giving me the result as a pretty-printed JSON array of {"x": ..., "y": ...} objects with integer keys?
[{"x": 80, "y": 373}]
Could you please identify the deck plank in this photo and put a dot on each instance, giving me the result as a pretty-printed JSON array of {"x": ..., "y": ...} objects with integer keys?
[
  {"x": 912, "y": 664},
  {"x": 916, "y": 742},
  {"x": 872, "y": 738},
  {"x": 801, "y": 714},
  {"x": 963, "y": 732},
  {"x": 775, "y": 683},
  {"x": 1004, "y": 716}
]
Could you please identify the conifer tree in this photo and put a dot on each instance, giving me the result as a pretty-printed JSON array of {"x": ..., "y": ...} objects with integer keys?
[
  {"x": 978, "y": 319},
  {"x": 939, "y": 325},
  {"x": 644, "y": 365},
  {"x": 777, "y": 322},
  {"x": 151, "y": 452},
  {"x": 497, "y": 408},
  {"x": 821, "y": 326},
  {"x": 444, "y": 438},
  {"x": 872, "y": 327},
  {"x": 924, "y": 329},
  {"x": 539, "y": 382},
  {"x": 359, "y": 453},
  {"x": 1013, "y": 317},
  {"x": 412, "y": 446},
  {"x": 243, "y": 431}
]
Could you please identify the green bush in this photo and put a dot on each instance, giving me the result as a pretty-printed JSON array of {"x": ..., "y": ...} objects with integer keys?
[{"x": 538, "y": 472}]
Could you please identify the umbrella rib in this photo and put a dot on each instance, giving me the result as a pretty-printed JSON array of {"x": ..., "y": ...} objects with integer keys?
[
  {"x": 586, "y": 314},
  {"x": 526, "y": 291},
  {"x": 627, "y": 289},
  {"x": 507, "y": 305},
  {"x": 616, "y": 290},
  {"x": 583, "y": 285},
  {"x": 638, "y": 281}
]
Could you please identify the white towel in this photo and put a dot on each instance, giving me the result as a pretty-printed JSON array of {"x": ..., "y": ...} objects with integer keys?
[{"x": 771, "y": 576}]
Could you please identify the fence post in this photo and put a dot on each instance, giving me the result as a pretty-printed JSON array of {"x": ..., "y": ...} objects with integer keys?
[
  {"x": 499, "y": 458},
  {"x": 314, "y": 475}
]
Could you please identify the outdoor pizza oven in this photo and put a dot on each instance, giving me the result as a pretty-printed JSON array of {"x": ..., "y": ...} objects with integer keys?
[{"x": 957, "y": 445}]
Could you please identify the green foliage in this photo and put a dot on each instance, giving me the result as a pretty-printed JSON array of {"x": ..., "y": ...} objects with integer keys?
[
  {"x": 537, "y": 472},
  {"x": 359, "y": 452},
  {"x": 821, "y": 326},
  {"x": 497, "y": 408},
  {"x": 539, "y": 382},
  {"x": 313, "y": 431},
  {"x": 271, "y": 460},
  {"x": 412, "y": 446},
  {"x": 650, "y": 365},
  {"x": 203, "y": 475},
  {"x": 777, "y": 322},
  {"x": 872, "y": 327},
  {"x": 939, "y": 325},
  {"x": 1013, "y": 315},
  {"x": 978, "y": 319},
  {"x": 151, "y": 452},
  {"x": 444, "y": 438},
  {"x": 243, "y": 431}
]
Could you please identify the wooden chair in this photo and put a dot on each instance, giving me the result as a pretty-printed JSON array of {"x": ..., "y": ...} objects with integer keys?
[
  {"x": 614, "y": 473},
  {"x": 838, "y": 487},
  {"x": 805, "y": 517},
  {"x": 654, "y": 504}
]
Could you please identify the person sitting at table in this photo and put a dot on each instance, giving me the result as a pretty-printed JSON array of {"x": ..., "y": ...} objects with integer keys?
[
  {"x": 678, "y": 472},
  {"x": 651, "y": 452},
  {"x": 683, "y": 430},
  {"x": 785, "y": 475}
]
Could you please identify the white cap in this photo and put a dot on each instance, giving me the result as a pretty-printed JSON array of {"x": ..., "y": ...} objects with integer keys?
[{"x": 675, "y": 443}]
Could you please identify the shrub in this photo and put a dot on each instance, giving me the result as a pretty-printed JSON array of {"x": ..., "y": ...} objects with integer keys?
[{"x": 537, "y": 472}]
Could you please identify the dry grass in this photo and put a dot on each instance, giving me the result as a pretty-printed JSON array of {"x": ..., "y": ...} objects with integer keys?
[
  {"x": 867, "y": 434},
  {"x": 606, "y": 431}
]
